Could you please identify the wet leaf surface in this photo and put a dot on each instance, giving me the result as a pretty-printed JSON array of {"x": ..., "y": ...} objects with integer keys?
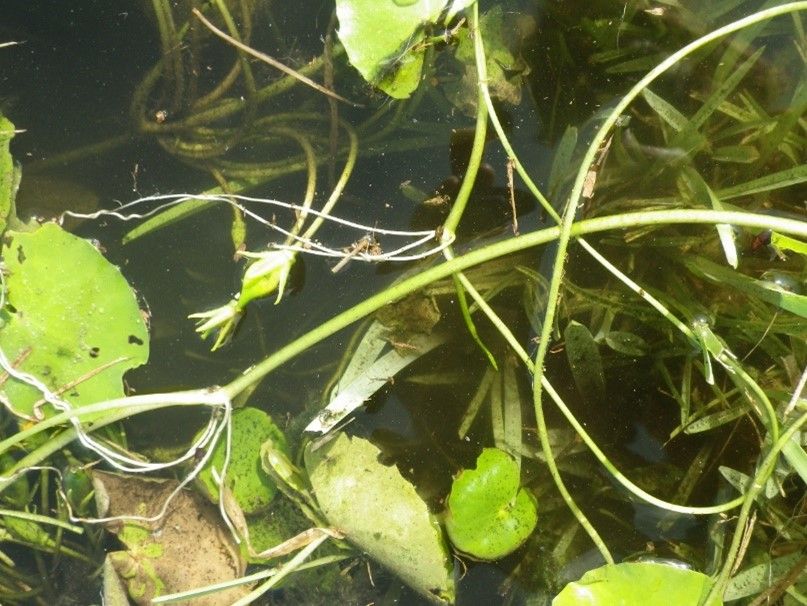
[{"x": 380, "y": 512}]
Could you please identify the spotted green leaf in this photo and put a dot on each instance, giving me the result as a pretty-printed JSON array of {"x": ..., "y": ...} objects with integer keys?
[{"x": 489, "y": 514}]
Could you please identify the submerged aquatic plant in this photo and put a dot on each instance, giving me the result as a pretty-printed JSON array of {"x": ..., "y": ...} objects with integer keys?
[{"x": 710, "y": 366}]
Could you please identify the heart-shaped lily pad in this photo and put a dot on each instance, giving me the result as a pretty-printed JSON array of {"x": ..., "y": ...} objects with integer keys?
[{"x": 489, "y": 514}]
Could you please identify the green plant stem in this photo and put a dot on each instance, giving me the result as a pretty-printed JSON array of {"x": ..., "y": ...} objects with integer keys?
[
  {"x": 184, "y": 596},
  {"x": 223, "y": 109},
  {"x": 478, "y": 148},
  {"x": 40, "y": 519},
  {"x": 461, "y": 201},
  {"x": 752, "y": 492},
  {"x": 311, "y": 181},
  {"x": 484, "y": 92},
  {"x": 462, "y": 301},
  {"x": 542, "y": 429},
  {"x": 125, "y": 407},
  {"x": 170, "y": 42},
  {"x": 282, "y": 572},
  {"x": 94, "y": 150},
  {"x": 353, "y": 151},
  {"x": 249, "y": 77},
  {"x": 484, "y": 101},
  {"x": 499, "y": 249},
  {"x": 97, "y": 415}
]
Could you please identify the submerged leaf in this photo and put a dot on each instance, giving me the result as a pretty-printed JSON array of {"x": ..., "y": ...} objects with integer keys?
[
  {"x": 72, "y": 320},
  {"x": 756, "y": 580},
  {"x": 585, "y": 361},
  {"x": 380, "y": 512},
  {"x": 369, "y": 370},
  {"x": 627, "y": 343},
  {"x": 503, "y": 33},
  {"x": 770, "y": 291}
]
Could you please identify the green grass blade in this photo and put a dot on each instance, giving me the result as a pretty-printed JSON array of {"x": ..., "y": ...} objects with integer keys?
[
  {"x": 717, "y": 419},
  {"x": 772, "y": 181},
  {"x": 667, "y": 112},
  {"x": 761, "y": 289},
  {"x": 706, "y": 197},
  {"x": 724, "y": 90},
  {"x": 783, "y": 242}
]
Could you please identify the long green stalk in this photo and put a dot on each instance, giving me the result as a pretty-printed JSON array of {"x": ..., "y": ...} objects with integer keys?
[
  {"x": 499, "y": 249},
  {"x": 543, "y": 432},
  {"x": 104, "y": 413}
]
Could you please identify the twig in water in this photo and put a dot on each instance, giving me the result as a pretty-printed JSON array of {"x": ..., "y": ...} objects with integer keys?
[
  {"x": 366, "y": 244},
  {"x": 511, "y": 187}
]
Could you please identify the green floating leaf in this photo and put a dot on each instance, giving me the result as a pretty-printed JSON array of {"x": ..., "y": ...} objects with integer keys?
[
  {"x": 8, "y": 174},
  {"x": 72, "y": 320},
  {"x": 252, "y": 489},
  {"x": 641, "y": 583},
  {"x": 585, "y": 361},
  {"x": 489, "y": 514},
  {"x": 385, "y": 39},
  {"x": 380, "y": 512}
]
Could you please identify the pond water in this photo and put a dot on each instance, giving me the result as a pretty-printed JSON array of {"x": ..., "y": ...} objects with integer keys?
[{"x": 96, "y": 132}]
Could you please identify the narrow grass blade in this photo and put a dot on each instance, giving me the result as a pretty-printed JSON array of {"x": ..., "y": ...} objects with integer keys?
[
  {"x": 783, "y": 242},
  {"x": 705, "y": 196},
  {"x": 736, "y": 154},
  {"x": 772, "y": 181},
  {"x": 717, "y": 419},
  {"x": 724, "y": 90},
  {"x": 764, "y": 290},
  {"x": 667, "y": 112}
]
